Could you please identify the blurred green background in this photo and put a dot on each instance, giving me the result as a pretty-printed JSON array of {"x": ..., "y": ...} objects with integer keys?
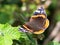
[{"x": 14, "y": 13}]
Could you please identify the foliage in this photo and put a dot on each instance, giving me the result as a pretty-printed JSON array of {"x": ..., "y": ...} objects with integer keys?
[
  {"x": 53, "y": 43},
  {"x": 57, "y": 16},
  {"x": 6, "y": 14},
  {"x": 8, "y": 33}
]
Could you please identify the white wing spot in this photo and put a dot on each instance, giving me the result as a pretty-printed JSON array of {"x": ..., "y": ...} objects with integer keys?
[{"x": 37, "y": 11}]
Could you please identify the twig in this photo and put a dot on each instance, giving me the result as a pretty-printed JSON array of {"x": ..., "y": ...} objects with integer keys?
[{"x": 53, "y": 33}]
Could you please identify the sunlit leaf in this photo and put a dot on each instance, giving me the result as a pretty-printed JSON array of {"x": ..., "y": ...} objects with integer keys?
[
  {"x": 53, "y": 43},
  {"x": 8, "y": 33}
]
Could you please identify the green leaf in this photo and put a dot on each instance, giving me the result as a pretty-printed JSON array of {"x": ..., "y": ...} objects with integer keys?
[
  {"x": 57, "y": 16},
  {"x": 4, "y": 18},
  {"x": 6, "y": 14},
  {"x": 32, "y": 6},
  {"x": 5, "y": 40},
  {"x": 26, "y": 37},
  {"x": 53, "y": 43},
  {"x": 8, "y": 33},
  {"x": 54, "y": 2}
]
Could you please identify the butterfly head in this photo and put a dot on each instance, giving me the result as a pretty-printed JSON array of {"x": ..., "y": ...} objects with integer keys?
[{"x": 40, "y": 11}]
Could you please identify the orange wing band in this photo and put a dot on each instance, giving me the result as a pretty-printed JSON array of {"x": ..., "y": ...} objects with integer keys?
[
  {"x": 27, "y": 28},
  {"x": 46, "y": 24},
  {"x": 43, "y": 16},
  {"x": 39, "y": 32}
]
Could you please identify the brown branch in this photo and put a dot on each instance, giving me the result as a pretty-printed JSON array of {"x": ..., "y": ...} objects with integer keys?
[
  {"x": 57, "y": 38},
  {"x": 45, "y": 5},
  {"x": 53, "y": 33}
]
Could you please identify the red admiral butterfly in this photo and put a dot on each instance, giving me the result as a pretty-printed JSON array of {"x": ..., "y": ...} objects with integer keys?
[{"x": 38, "y": 23}]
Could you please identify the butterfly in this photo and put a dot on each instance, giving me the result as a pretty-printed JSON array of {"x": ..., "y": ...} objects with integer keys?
[{"x": 38, "y": 22}]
